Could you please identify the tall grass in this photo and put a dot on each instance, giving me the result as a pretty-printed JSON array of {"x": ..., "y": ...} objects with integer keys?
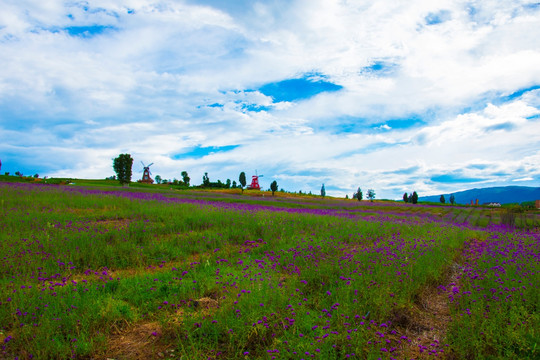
[{"x": 234, "y": 281}]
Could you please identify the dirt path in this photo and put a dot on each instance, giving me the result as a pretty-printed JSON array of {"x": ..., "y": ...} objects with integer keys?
[{"x": 423, "y": 328}]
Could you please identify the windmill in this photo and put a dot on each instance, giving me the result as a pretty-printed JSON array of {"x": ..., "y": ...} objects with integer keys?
[
  {"x": 146, "y": 174},
  {"x": 255, "y": 182}
]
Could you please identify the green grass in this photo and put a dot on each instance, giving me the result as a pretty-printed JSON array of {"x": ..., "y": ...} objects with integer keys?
[{"x": 78, "y": 268}]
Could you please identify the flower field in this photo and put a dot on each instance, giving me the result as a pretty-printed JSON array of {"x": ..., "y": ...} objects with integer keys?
[{"x": 87, "y": 273}]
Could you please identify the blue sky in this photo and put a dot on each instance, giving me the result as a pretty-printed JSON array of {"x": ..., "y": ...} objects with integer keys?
[{"x": 401, "y": 96}]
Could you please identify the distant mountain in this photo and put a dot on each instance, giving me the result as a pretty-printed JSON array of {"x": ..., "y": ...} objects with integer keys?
[{"x": 502, "y": 195}]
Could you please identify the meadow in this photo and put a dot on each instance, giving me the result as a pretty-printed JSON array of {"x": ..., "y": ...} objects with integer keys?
[{"x": 136, "y": 273}]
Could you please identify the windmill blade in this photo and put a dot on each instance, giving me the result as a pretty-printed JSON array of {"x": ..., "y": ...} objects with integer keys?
[
  {"x": 143, "y": 164},
  {"x": 150, "y": 164},
  {"x": 261, "y": 175}
]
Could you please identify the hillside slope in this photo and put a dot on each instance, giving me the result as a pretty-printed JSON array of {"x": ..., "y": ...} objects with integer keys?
[{"x": 502, "y": 194}]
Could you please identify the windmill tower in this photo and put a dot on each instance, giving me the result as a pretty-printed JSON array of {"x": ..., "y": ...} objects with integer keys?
[
  {"x": 255, "y": 182},
  {"x": 146, "y": 174}
]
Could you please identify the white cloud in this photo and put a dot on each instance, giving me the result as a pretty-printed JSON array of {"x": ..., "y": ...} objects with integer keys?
[{"x": 146, "y": 85}]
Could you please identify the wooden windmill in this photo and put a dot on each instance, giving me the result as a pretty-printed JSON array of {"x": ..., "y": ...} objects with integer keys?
[
  {"x": 146, "y": 174},
  {"x": 255, "y": 182}
]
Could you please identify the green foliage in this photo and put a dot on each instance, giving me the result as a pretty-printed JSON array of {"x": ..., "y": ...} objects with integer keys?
[
  {"x": 529, "y": 205},
  {"x": 122, "y": 166},
  {"x": 508, "y": 217},
  {"x": 405, "y": 197},
  {"x": 358, "y": 195},
  {"x": 414, "y": 197},
  {"x": 323, "y": 191},
  {"x": 210, "y": 184},
  {"x": 186, "y": 178},
  {"x": 206, "y": 179},
  {"x": 158, "y": 179},
  {"x": 442, "y": 199},
  {"x": 452, "y": 199},
  {"x": 242, "y": 180},
  {"x": 274, "y": 187},
  {"x": 371, "y": 194}
]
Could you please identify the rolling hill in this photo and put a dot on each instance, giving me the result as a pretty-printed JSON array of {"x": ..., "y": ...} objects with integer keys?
[{"x": 502, "y": 194}]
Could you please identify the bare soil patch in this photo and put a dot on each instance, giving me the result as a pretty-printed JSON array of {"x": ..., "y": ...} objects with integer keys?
[
  {"x": 138, "y": 342},
  {"x": 425, "y": 324}
]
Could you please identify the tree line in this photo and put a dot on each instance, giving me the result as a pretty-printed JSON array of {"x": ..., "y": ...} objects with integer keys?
[{"x": 123, "y": 164}]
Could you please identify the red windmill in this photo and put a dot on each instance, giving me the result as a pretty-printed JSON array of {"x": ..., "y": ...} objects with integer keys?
[
  {"x": 255, "y": 182},
  {"x": 146, "y": 174}
]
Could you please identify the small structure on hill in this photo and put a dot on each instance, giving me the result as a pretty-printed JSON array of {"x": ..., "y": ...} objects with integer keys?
[
  {"x": 537, "y": 204},
  {"x": 255, "y": 182},
  {"x": 146, "y": 174}
]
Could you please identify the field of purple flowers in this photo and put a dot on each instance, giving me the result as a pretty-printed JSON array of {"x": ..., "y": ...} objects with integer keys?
[{"x": 93, "y": 274}]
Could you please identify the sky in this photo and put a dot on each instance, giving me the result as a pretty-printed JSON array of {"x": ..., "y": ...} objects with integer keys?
[{"x": 394, "y": 96}]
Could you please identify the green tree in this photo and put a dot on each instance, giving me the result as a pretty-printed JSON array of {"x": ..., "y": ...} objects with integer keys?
[
  {"x": 359, "y": 195},
  {"x": 158, "y": 179},
  {"x": 405, "y": 197},
  {"x": 452, "y": 199},
  {"x": 186, "y": 178},
  {"x": 442, "y": 199},
  {"x": 206, "y": 179},
  {"x": 414, "y": 197},
  {"x": 273, "y": 187},
  {"x": 228, "y": 184},
  {"x": 242, "y": 180},
  {"x": 371, "y": 194},
  {"x": 323, "y": 191},
  {"x": 122, "y": 166}
]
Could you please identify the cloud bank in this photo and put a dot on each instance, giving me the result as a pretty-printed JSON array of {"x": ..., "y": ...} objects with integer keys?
[{"x": 409, "y": 95}]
